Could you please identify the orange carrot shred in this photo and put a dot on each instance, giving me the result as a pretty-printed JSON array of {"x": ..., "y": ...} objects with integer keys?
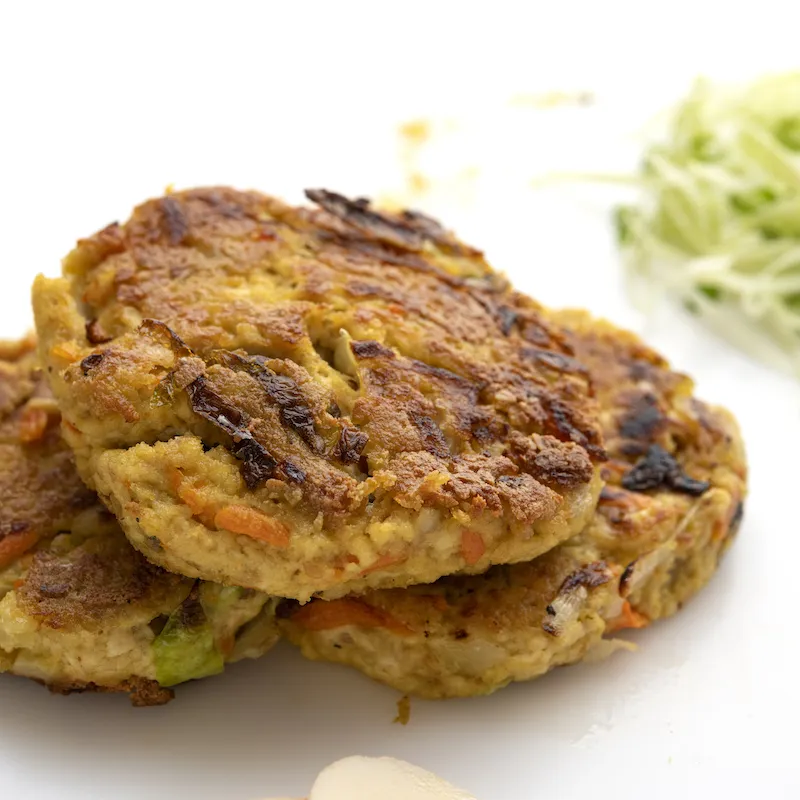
[
  {"x": 629, "y": 618},
  {"x": 32, "y": 425},
  {"x": 16, "y": 544},
  {"x": 383, "y": 562},
  {"x": 254, "y": 523},
  {"x": 322, "y": 615},
  {"x": 65, "y": 350},
  {"x": 188, "y": 493},
  {"x": 472, "y": 547}
]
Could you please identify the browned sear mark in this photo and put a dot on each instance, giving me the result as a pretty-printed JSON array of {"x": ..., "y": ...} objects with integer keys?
[
  {"x": 281, "y": 390},
  {"x": 659, "y": 469},
  {"x": 176, "y": 225},
  {"x": 95, "y": 333},
  {"x": 91, "y": 362},
  {"x": 257, "y": 464},
  {"x": 350, "y": 445}
]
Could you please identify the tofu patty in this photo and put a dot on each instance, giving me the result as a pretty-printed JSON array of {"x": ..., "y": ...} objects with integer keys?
[
  {"x": 79, "y": 607},
  {"x": 672, "y": 501},
  {"x": 308, "y": 400}
]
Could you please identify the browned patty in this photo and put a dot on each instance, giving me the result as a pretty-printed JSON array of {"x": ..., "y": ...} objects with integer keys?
[
  {"x": 40, "y": 491},
  {"x": 80, "y": 609},
  {"x": 315, "y": 399},
  {"x": 672, "y": 502}
]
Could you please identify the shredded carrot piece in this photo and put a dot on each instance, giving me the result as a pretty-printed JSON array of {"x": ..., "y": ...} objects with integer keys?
[
  {"x": 19, "y": 583},
  {"x": 196, "y": 502},
  {"x": 65, "y": 350},
  {"x": 16, "y": 544},
  {"x": 254, "y": 523},
  {"x": 629, "y": 618},
  {"x": 472, "y": 546},
  {"x": 32, "y": 425},
  {"x": 322, "y": 615},
  {"x": 340, "y": 563},
  {"x": 75, "y": 431},
  {"x": 383, "y": 562},
  {"x": 188, "y": 492}
]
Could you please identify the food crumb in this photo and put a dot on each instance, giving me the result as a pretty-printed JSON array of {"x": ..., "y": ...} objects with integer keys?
[
  {"x": 552, "y": 99},
  {"x": 403, "y": 710},
  {"x": 416, "y": 131}
]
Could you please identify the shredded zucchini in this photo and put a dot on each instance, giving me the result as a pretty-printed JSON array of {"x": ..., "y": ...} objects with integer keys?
[{"x": 718, "y": 221}]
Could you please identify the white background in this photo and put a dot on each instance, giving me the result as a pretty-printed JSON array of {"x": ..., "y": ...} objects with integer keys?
[{"x": 102, "y": 106}]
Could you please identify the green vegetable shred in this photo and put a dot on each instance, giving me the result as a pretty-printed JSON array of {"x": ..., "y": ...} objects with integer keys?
[{"x": 718, "y": 221}]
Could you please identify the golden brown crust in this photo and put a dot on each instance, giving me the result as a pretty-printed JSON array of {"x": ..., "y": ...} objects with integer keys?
[
  {"x": 39, "y": 487},
  {"x": 491, "y": 361},
  {"x": 93, "y": 584},
  {"x": 349, "y": 359},
  {"x": 76, "y": 600},
  {"x": 676, "y": 479}
]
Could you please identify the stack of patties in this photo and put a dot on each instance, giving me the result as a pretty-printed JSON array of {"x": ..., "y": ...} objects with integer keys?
[
  {"x": 351, "y": 411},
  {"x": 80, "y": 608}
]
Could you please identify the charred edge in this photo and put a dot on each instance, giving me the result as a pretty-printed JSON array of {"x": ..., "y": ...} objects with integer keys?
[
  {"x": 433, "y": 438},
  {"x": 432, "y": 229},
  {"x": 445, "y": 375},
  {"x": 536, "y": 333},
  {"x": 659, "y": 469},
  {"x": 293, "y": 472},
  {"x": 175, "y": 224},
  {"x": 565, "y": 469},
  {"x": 350, "y": 445},
  {"x": 370, "y": 349},
  {"x": 357, "y": 213},
  {"x": 548, "y": 626},
  {"x": 281, "y": 390},
  {"x": 610, "y": 495},
  {"x": 191, "y": 613},
  {"x": 556, "y": 361},
  {"x": 387, "y": 254},
  {"x": 91, "y": 362},
  {"x": 460, "y": 634},
  {"x": 95, "y": 333},
  {"x": 561, "y": 424},
  {"x": 153, "y": 327},
  {"x": 625, "y": 579},
  {"x": 643, "y": 420},
  {"x": 591, "y": 576},
  {"x": 257, "y": 463}
]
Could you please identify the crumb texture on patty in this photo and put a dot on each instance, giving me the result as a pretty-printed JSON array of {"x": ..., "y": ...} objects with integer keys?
[
  {"x": 80, "y": 609},
  {"x": 306, "y": 400},
  {"x": 647, "y": 551}
]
